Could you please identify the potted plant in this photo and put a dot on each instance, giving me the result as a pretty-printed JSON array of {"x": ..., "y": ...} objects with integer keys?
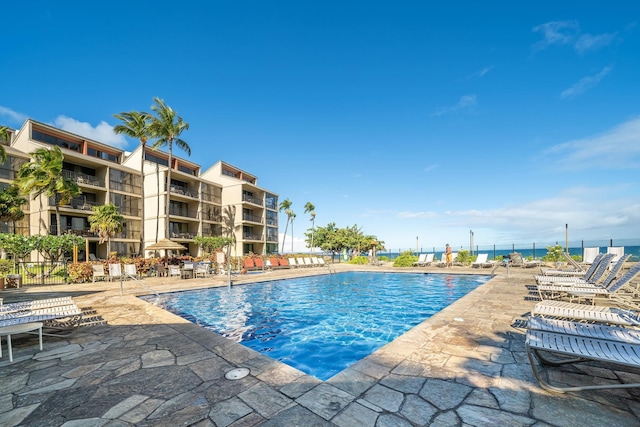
[{"x": 5, "y": 267}]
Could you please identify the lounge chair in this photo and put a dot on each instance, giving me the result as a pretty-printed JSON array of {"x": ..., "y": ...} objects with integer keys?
[
  {"x": 248, "y": 264},
  {"x": 92, "y": 257},
  {"x": 300, "y": 262},
  {"x": 481, "y": 261},
  {"x": 590, "y": 254},
  {"x": 259, "y": 265},
  {"x": 61, "y": 320},
  {"x": 617, "y": 251},
  {"x": 421, "y": 260},
  {"x": 292, "y": 262},
  {"x": 618, "y": 290},
  {"x": 581, "y": 342},
  {"x": 443, "y": 261},
  {"x": 575, "y": 270},
  {"x": 307, "y": 262},
  {"x": 35, "y": 304},
  {"x": 97, "y": 272},
  {"x": 593, "y": 274},
  {"x": 586, "y": 313},
  {"x": 284, "y": 263}
]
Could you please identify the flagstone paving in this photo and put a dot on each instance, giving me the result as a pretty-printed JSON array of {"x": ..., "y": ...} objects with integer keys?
[{"x": 142, "y": 366}]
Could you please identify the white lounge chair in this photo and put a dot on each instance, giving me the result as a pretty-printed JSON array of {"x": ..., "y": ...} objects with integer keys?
[
  {"x": 593, "y": 274},
  {"x": 292, "y": 262},
  {"x": 617, "y": 251},
  {"x": 590, "y": 254},
  {"x": 579, "y": 283},
  {"x": 618, "y": 290},
  {"x": 307, "y": 262},
  {"x": 61, "y": 320},
  {"x": 97, "y": 272},
  {"x": 481, "y": 261},
  {"x": 421, "y": 260},
  {"x": 581, "y": 342},
  {"x": 586, "y": 313}
]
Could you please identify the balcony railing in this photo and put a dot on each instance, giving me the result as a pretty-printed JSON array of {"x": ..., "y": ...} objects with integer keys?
[
  {"x": 252, "y": 218},
  {"x": 178, "y": 189},
  {"x": 251, "y": 199},
  {"x": 183, "y": 212},
  {"x": 183, "y": 235},
  {"x": 129, "y": 211},
  {"x": 211, "y": 216},
  {"x": 82, "y": 178},
  {"x": 251, "y": 236}
]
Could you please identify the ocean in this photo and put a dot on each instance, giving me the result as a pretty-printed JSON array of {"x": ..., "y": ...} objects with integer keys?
[{"x": 533, "y": 252}]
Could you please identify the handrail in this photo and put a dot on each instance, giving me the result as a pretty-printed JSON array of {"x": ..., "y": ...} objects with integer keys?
[{"x": 139, "y": 281}]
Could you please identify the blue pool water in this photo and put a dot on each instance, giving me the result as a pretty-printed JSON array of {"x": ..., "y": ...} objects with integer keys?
[{"x": 321, "y": 324}]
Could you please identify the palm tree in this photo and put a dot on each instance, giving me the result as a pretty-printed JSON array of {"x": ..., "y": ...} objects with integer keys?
[
  {"x": 229, "y": 229},
  {"x": 4, "y": 136},
  {"x": 136, "y": 125},
  {"x": 106, "y": 221},
  {"x": 284, "y": 206},
  {"x": 43, "y": 175},
  {"x": 11, "y": 205},
  {"x": 166, "y": 126},
  {"x": 291, "y": 216},
  {"x": 309, "y": 208}
]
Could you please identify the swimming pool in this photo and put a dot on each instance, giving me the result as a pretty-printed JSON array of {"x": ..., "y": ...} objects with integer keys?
[{"x": 321, "y": 324}]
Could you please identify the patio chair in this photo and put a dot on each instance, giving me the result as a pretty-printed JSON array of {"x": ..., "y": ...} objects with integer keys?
[
  {"x": 174, "y": 271},
  {"x": 307, "y": 262},
  {"x": 581, "y": 342},
  {"x": 115, "y": 271},
  {"x": 300, "y": 262},
  {"x": 443, "y": 261},
  {"x": 259, "y": 263},
  {"x": 188, "y": 270},
  {"x": 248, "y": 264},
  {"x": 202, "y": 270},
  {"x": 97, "y": 272},
  {"x": 131, "y": 271}
]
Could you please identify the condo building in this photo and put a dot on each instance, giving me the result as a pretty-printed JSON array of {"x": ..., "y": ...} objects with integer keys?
[{"x": 198, "y": 202}]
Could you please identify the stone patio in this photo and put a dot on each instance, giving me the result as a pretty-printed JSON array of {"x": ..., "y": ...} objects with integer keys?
[{"x": 143, "y": 366}]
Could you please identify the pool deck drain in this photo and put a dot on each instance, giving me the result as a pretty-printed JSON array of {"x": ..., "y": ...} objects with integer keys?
[
  {"x": 237, "y": 374},
  {"x": 146, "y": 366}
]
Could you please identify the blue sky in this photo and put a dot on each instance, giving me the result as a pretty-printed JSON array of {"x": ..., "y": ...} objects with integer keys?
[{"x": 410, "y": 120}]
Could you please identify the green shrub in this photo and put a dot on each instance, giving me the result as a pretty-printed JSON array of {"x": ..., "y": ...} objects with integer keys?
[
  {"x": 6, "y": 265},
  {"x": 464, "y": 257},
  {"x": 405, "y": 259},
  {"x": 359, "y": 260},
  {"x": 554, "y": 254}
]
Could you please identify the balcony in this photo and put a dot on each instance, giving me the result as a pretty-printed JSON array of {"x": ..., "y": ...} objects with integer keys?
[
  {"x": 252, "y": 218},
  {"x": 251, "y": 236},
  {"x": 183, "y": 235},
  {"x": 183, "y": 212},
  {"x": 83, "y": 179},
  {"x": 183, "y": 191},
  {"x": 251, "y": 199}
]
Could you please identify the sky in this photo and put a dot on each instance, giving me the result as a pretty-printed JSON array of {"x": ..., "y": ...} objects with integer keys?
[{"x": 420, "y": 123}]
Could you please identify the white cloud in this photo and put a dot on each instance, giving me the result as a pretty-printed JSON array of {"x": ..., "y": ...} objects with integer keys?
[
  {"x": 585, "y": 84},
  {"x": 480, "y": 73},
  {"x": 103, "y": 132},
  {"x": 13, "y": 117},
  {"x": 466, "y": 101},
  {"x": 569, "y": 33},
  {"x": 430, "y": 168},
  {"x": 618, "y": 148}
]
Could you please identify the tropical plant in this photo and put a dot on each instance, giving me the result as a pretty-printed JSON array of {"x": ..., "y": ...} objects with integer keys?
[
  {"x": 11, "y": 205},
  {"x": 4, "y": 136},
  {"x": 106, "y": 221},
  {"x": 285, "y": 206},
  {"x": 291, "y": 215},
  {"x": 229, "y": 228},
  {"x": 166, "y": 127},
  {"x": 53, "y": 248},
  {"x": 311, "y": 209},
  {"x": 405, "y": 259},
  {"x": 137, "y": 125},
  {"x": 211, "y": 244},
  {"x": 43, "y": 175},
  {"x": 554, "y": 254}
]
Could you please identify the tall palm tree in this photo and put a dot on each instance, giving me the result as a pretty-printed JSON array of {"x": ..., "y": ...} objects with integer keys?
[
  {"x": 285, "y": 205},
  {"x": 106, "y": 221},
  {"x": 229, "y": 229},
  {"x": 310, "y": 208},
  {"x": 136, "y": 125},
  {"x": 43, "y": 175},
  {"x": 291, "y": 216},
  {"x": 11, "y": 205},
  {"x": 167, "y": 127}
]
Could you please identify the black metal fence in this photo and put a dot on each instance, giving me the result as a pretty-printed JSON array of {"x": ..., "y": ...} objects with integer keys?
[{"x": 36, "y": 273}]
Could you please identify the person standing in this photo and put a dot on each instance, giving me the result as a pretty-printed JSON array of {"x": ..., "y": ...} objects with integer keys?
[{"x": 449, "y": 255}]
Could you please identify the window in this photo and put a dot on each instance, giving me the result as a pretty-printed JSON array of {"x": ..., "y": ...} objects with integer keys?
[
  {"x": 155, "y": 159},
  {"x": 53, "y": 140},
  {"x": 102, "y": 155},
  {"x": 186, "y": 169}
]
